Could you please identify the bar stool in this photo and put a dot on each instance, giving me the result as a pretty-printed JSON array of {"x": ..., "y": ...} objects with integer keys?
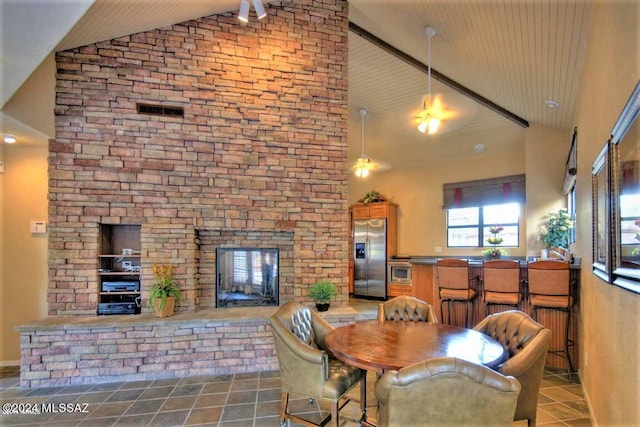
[
  {"x": 550, "y": 288},
  {"x": 501, "y": 279},
  {"x": 455, "y": 285}
]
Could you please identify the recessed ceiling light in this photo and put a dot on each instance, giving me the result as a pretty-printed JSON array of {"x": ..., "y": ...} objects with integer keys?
[
  {"x": 551, "y": 103},
  {"x": 479, "y": 148},
  {"x": 9, "y": 139}
]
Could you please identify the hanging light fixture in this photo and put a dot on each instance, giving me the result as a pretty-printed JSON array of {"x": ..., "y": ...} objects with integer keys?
[
  {"x": 257, "y": 5},
  {"x": 363, "y": 164},
  {"x": 243, "y": 15},
  {"x": 430, "y": 116}
]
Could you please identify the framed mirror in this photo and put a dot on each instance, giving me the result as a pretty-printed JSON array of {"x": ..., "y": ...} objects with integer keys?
[
  {"x": 626, "y": 195},
  {"x": 601, "y": 194}
]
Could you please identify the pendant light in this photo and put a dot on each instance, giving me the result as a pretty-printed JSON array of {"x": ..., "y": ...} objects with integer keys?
[
  {"x": 430, "y": 116},
  {"x": 363, "y": 164}
]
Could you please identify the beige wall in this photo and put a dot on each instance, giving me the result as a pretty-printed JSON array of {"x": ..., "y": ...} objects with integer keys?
[
  {"x": 3, "y": 311},
  {"x": 23, "y": 280},
  {"x": 546, "y": 156},
  {"x": 610, "y": 323}
]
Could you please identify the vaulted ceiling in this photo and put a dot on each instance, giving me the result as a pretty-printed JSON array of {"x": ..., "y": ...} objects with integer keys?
[{"x": 514, "y": 55}]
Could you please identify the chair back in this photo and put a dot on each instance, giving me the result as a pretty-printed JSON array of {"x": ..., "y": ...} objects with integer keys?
[
  {"x": 526, "y": 343},
  {"x": 453, "y": 273},
  {"x": 501, "y": 276},
  {"x": 548, "y": 277},
  {"x": 446, "y": 392},
  {"x": 406, "y": 308}
]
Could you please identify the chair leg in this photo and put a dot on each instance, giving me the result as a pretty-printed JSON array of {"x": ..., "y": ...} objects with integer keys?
[
  {"x": 334, "y": 413},
  {"x": 284, "y": 403},
  {"x": 363, "y": 397},
  {"x": 566, "y": 345}
]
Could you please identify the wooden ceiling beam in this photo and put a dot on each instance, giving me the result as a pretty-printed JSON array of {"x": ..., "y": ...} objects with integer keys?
[{"x": 437, "y": 75}]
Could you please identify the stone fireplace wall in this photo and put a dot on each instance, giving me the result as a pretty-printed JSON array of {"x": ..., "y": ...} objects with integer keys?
[{"x": 261, "y": 147}]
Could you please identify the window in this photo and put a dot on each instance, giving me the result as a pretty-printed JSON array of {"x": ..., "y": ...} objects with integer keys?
[{"x": 469, "y": 227}]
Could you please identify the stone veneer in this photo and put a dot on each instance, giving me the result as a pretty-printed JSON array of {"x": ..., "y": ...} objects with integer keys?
[
  {"x": 261, "y": 150},
  {"x": 261, "y": 147},
  {"x": 70, "y": 351}
]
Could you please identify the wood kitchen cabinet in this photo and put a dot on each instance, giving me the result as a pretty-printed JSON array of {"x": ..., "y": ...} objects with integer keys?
[{"x": 423, "y": 284}]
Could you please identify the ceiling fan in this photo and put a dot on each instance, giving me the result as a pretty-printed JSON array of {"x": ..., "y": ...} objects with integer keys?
[
  {"x": 365, "y": 164},
  {"x": 433, "y": 112}
]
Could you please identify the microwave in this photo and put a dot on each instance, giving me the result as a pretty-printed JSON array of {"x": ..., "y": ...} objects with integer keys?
[{"x": 399, "y": 272}]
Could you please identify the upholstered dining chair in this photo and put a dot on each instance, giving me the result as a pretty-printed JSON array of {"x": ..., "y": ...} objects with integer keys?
[
  {"x": 407, "y": 308},
  {"x": 550, "y": 288},
  {"x": 446, "y": 392},
  {"x": 501, "y": 283},
  {"x": 526, "y": 343},
  {"x": 455, "y": 286},
  {"x": 307, "y": 367}
]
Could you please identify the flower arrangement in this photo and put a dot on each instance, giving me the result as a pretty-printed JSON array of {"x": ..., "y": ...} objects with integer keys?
[
  {"x": 494, "y": 240},
  {"x": 163, "y": 285},
  {"x": 555, "y": 231}
]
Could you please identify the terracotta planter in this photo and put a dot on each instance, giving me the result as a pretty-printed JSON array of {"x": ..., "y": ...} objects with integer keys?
[{"x": 167, "y": 310}]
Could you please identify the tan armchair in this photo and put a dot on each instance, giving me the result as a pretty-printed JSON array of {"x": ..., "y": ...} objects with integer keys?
[
  {"x": 526, "y": 342},
  {"x": 406, "y": 308},
  {"x": 307, "y": 368},
  {"x": 446, "y": 392}
]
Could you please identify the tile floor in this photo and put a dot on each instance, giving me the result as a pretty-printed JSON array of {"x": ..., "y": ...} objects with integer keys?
[{"x": 250, "y": 399}]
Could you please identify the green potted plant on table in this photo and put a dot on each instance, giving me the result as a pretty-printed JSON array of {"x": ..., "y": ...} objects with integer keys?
[
  {"x": 322, "y": 292},
  {"x": 165, "y": 294},
  {"x": 554, "y": 232}
]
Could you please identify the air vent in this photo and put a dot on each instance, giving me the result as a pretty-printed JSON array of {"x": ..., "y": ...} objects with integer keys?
[{"x": 160, "y": 110}]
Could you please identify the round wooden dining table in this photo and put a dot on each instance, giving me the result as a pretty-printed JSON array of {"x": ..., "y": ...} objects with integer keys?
[{"x": 381, "y": 346}]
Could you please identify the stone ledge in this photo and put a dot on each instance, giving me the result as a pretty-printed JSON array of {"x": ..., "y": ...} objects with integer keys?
[
  {"x": 65, "y": 351},
  {"x": 202, "y": 316}
]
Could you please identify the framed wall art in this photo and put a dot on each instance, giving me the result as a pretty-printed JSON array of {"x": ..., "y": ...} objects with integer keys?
[{"x": 625, "y": 139}]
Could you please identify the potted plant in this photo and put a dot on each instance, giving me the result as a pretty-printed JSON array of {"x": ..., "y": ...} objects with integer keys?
[
  {"x": 322, "y": 292},
  {"x": 371, "y": 197},
  {"x": 554, "y": 232},
  {"x": 165, "y": 294}
]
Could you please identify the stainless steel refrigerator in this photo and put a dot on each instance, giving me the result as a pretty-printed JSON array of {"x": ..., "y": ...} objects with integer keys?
[{"x": 370, "y": 266}]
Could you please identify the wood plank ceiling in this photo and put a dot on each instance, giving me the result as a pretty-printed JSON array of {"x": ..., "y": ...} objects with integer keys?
[{"x": 516, "y": 53}]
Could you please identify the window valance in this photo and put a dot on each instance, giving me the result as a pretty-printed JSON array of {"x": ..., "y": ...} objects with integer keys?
[
  {"x": 492, "y": 191},
  {"x": 571, "y": 169}
]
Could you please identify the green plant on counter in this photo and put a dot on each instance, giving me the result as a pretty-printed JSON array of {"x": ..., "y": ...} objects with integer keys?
[
  {"x": 555, "y": 231},
  {"x": 322, "y": 292},
  {"x": 163, "y": 285}
]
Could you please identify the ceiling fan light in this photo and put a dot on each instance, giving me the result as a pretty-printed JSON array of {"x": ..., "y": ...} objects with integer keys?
[
  {"x": 257, "y": 5},
  {"x": 362, "y": 172},
  {"x": 424, "y": 124},
  {"x": 434, "y": 124},
  {"x": 243, "y": 15}
]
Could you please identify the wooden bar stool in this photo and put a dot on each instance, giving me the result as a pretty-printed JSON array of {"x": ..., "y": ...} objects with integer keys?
[
  {"x": 501, "y": 279},
  {"x": 455, "y": 285},
  {"x": 551, "y": 289}
]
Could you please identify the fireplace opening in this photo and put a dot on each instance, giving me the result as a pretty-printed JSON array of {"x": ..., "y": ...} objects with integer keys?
[{"x": 247, "y": 277}]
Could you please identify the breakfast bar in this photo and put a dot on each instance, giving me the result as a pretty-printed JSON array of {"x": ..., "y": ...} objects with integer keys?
[{"x": 424, "y": 287}]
